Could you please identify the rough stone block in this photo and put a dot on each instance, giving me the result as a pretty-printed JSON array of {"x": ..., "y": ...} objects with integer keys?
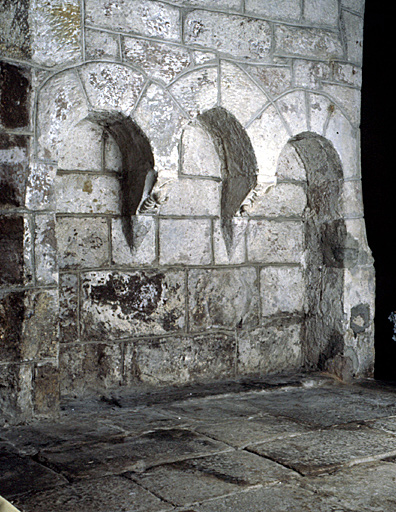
[
  {"x": 311, "y": 73},
  {"x": 352, "y": 198},
  {"x": 348, "y": 98},
  {"x": 15, "y": 37},
  {"x": 82, "y": 149},
  {"x": 123, "y": 305},
  {"x": 244, "y": 37},
  {"x": 307, "y": 42},
  {"x": 45, "y": 249},
  {"x": 12, "y": 232},
  {"x": 237, "y": 251},
  {"x": 275, "y": 242},
  {"x": 282, "y": 290},
  {"x": 89, "y": 368},
  {"x": 348, "y": 74},
  {"x": 12, "y": 314},
  {"x": 282, "y": 200},
  {"x": 15, "y": 393},
  {"x": 82, "y": 242},
  {"x": 185, "y": 241},
  {"x": 292, "y": 108},
  {"x": 149, "y": 18},
  {"x": 198, "y": 155},
  {"x": 13, "y": 169},
  {"x": 192, "y": 196},
  {"x": 86, "y": 193},
  {"x": 321, "y": 12},
  {"x": 353, "y": 28},
  {"x": 286, "y": 9},
  {"x": 101, "y": 45},
  {"x": 320, "y": 108},
  {"x": 223, "y": 298},
  {"x": 68, "y": 307},
  {"x": 213, "y": 4},
  {"x": 46, "y": 389},
  {"x": 273, "y": 348},
  {"x": 40, "y": 193},
  {"x": 159, "y": 60},
  {"x": 180, "y": 360},
  {"x": 144, "y": 247},
  {"x": 274, "y": 79},
  {"x": 290, "y": 165}
]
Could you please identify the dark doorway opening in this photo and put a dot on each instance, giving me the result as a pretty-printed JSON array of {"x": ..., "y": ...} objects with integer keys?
[{"x": 379, "y": 178}]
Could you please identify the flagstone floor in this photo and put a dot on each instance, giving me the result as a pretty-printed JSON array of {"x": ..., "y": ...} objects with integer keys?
[{"x": 295, "y": 443}]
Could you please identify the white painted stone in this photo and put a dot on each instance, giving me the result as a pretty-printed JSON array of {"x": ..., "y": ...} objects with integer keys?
[
  {"x": 192, "y": 196},
  {"x": 244, "y": 37},
  {"x": 86, "y": 193},
  {"x": 237, "y": 252},
  {"x": 306, "y": 42},
  {"x": 274, "y": 9},
  {"x": 185, "y": 241},
  {"x": 292, "y": 108},
  {"x": 112, "y": 86},
  {"x": 233, "y": 81},
  {"x": 143, "y": 251},
  {"x": 197, "y": 91},
  {"x": 146, "y": 17},
  {"x": 321, "y": 12},
  {"x": 198, "y": 155},
  {"x": 282, "y": 290},
  {"x": 159, "y": 60},
  {"x": 275, "y": 242}
]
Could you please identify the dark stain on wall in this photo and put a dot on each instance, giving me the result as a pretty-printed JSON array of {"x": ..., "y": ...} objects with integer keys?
[
  {"x": 12, "y": 311},
  {"x": 14, "y": 97},
  {"x": 11, "y": 250}
]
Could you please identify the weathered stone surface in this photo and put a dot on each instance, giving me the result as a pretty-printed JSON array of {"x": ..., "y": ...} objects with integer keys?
[
  {"x": 275, "y": 242},
  {"x": 82, "y": 242},
  {"x": 45, "y": 249},
  {"x": 143, "y": 251},
  {"x": 68, "y": 307},
  {"x": 324, "y": 451},
  {"x": 40, "y": 194},
  {"x": 321, "y": 12},
  {"x": 12, "y": 313},
  {"x": 289, "y": 9},
  {"x": 282, "y": 290},
  {"x": 96, "y": 495},
  {"x": 159, "y": 60},
  {"x": 186, "y": 241},
  {"x": 352, "y": 198},
  {"x": 353, "y": 26},
  {"x": 274, "y": 79},
  {"x": 245, "y": 37},
  {"x": 86, "y": 193},
  {"x": 307, "y": 42},
  {"x": 46, "y": 398},
  {"x": 347, "y": 98},
  {"x": 13, "y": 169},
  {"x": 192, "y": 196},
  {"x": 223, "y": 298},
  {"x": 196, "y": 480},
  {"x": 11, "y": 250},
  {"x": 14, "y": 96},
  {"x": 15, "y": 393},
  {"x": 292, "y": 109},
  {"x": 275, "y": 347},
  {"x": 321, "y": 109},
  {"x": 218, "y": 4},
  {"x": 88, "y": 368},
  {"x": 237, "y": 251},
  {"x": 15, "y": 36},
  {"x": 282, "y": 200},
  {"x": 101, "y": 45},
  {"x": 149, "y": 18},
  {"x": 311, "y": 73},
  {"x": 290, "y": 165},
  {"x": 198, "y": 154},
  {"x": 178, "y": 360},
  {"x": 348, "y": 74},
  {"x": 116, "y": 304}
]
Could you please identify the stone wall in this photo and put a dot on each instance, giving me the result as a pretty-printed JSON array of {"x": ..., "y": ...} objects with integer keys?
[{"x": 180, "y": 194}]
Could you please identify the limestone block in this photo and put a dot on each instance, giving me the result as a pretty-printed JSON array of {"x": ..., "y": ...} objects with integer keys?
[
  {"x": 185, "y": 241},
  {"x": 87, "y": 193},
  {"x": 15, "y": 393},
  {"x": 353, "y": 29},
  {"x": 122, "y": 305},
  {"x": 244, "y": 37},
  {"x": 237, "y": 252},
  {"x": 15, "y": 37},
  {"x": 347, "y": 98},
  {"x": 144, "y": 242},
  {"x": 159, "y": 60},
  {"x": 275, "y": 242},
  {"x": 146, "y": 17},
  {"x": 223, "y": 298},
  {"x": 242, "y": 106},
  {"x": 282, "y": 290},
  {"x": 89, "y": 368},
  {"x": 268, "y": 136},
  {"x": 306, "y": 42},
  {"x": 82, "y": 242},
  {"x": 293, "y": 110},
  {"x": 112, "y": 86},
  {"x": 46, "y": 396},
  {"x": 275, "y": 347},
  {"x": 320, "y": 110},
  {"x": 311, "y": 73},
  {"x": 274, "y": 79},
  {"x": 346, "y": 142},
  {"x": 354, "y": 5},
  {"x": 180, "y": 360},
  {"x": 68, "y": 307},
  {"x": 40, "y": 193},
  {"x": 12, "y": 310},
  {"x": 82, "y": 149},
  {"x": 281, "y": 200},
  {"x": 162, "y": 121},
  {"x": 198, "y": 154},
  {"x": 192, "y": 196},
  {"x": 203, "y": 57},
  {"x": 348, "y": 74},
  {"x": 197, "y": 91},
  {"x": 101, "y": 45},
  {"x": 45, "y": 249},
  {"x": 112, "y": 155},
  {"x": 13, "y": 170},
  {"x": 290, "y": 165},
  {"x": 352, "y": 198},
  {"x": 12, "y": 234},
  {"x": 55, "y": 30},
  {"x": 321, "y": 12},
  {"x": 283, "y": 10},
  {"x": 61, "y": 105}
]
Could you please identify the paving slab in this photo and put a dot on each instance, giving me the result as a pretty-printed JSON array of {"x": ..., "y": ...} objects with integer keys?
[
  {"x": 110, "y": 494},
  {"x": 195, "y": 480},
  {"x": 364, "y": 488},
  {"x": 130, "y": 454},
  {"x": 242, "y": 432},
  {"x": 325, "y": 406},
  {"x": 328, "y": 450}
]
